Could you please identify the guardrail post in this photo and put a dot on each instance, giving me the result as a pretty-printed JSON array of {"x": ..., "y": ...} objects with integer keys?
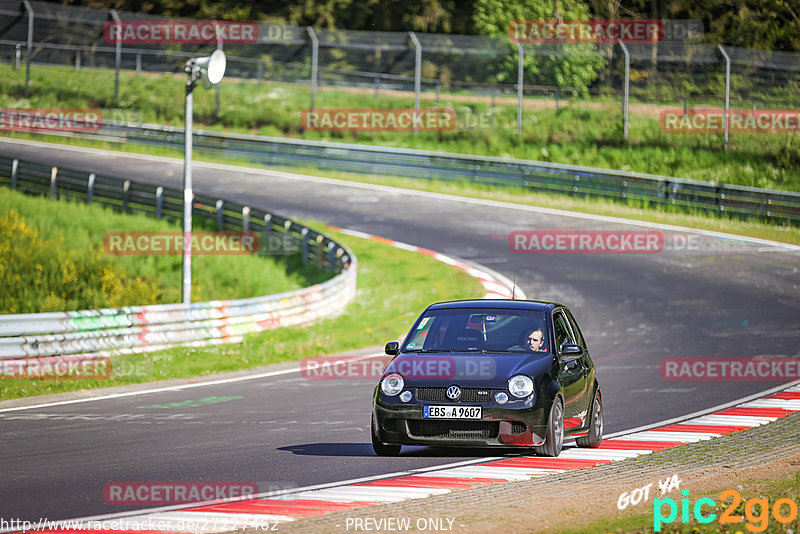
[
  {"x": 138, "y": 63},
  {"x": 14, "y": 169},
  {"x": 267, "y": 225},
  {"x": 304, "y": 244},
  {"x": 220, "y": 215},
  {"x": 118, "y": 54},
  {"x": 126, "y": 186},
  {"x": 520, "y": 74},
  {"x": 626, "y": 90},
  {"x": 320, "y": 252},
  {"x": 727, "y": 93},
  {"x": 77, "y": 60},
  {"x": 53, "y": 178},
  {"x": 721, "y": 197},
  {"x": 17, "y": 56},
  {"x": 331, "y": 256},
  {"x": 417, "y": 77},
  {"x": 90, "y": 188},
  {"x": 28, "y": 46},
  {"x": 267, "y": 234},
  {"x": 259, "y": 72},
  {"x": 314, "y": 63},
  {"x": 159, "y": 202},
  {"x": 245, "y": 218}
]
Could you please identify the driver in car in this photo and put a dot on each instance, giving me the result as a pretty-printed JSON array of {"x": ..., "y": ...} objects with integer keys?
[{"x": 532, "y": 340}]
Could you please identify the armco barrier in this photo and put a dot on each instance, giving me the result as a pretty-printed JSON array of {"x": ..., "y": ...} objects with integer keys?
[
  {"x": 571, "y": 180},
  {"x": 140, "y": 328}
]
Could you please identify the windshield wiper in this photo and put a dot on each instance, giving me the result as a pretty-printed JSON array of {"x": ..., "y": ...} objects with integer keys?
[
  {"x": 485, "y": 351},
  {"x": 428, "y": 350}
]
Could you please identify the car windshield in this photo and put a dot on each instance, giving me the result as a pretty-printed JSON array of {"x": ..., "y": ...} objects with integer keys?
[{"x": 479, "y": 330}]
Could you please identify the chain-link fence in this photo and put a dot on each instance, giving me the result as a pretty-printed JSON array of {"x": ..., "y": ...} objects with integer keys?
[{"x": 621, "y": 79}]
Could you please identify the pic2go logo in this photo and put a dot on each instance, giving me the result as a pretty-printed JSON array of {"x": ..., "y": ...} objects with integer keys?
[{"x": 756, "y": 511}]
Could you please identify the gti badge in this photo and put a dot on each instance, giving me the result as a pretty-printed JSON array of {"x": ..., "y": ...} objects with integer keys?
[{"x": 453, "y": 392}]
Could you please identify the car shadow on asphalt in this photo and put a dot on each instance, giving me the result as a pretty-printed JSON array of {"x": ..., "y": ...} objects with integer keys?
[{"x": 365, "y": 449}]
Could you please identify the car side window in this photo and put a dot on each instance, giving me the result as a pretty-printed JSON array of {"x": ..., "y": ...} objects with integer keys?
[
  {"x": 561, "y": 329},
  {"x": 575, "y": 329}
]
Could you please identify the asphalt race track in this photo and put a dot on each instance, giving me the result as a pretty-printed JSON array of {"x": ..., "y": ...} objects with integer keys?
[{"x": 722, "y": 298}]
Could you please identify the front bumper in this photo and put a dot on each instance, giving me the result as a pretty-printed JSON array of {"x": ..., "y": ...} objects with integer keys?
[{"x": 517, "y": 424}]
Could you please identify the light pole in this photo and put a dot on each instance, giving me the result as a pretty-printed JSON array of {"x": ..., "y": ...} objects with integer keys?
[{"x": 211, "y": 70}]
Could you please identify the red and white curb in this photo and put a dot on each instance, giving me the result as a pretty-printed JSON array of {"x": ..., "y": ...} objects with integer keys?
[
  {"x": 495, "y": 284},
  {"x": 422, "y": 483}
]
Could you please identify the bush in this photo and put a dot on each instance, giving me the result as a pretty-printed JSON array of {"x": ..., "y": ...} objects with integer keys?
[{"x": 40, "y": 275}]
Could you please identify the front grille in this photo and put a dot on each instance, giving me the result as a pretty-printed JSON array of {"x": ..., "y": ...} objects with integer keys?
[
  {"x": 518, "y": 427},
  {"x": 467, "y": 395},
  {"x": 454, "y": 429}
]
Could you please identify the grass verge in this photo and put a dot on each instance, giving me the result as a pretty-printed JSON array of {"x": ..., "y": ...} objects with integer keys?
[
  {"x": 394, "y": 286},
  {"x": 52, "y": 258}
]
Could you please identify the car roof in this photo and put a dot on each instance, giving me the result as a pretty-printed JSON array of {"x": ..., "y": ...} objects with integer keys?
[{"x": 496, "y": 304}]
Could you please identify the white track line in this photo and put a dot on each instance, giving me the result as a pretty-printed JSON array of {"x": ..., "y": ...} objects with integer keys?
[
  {"x": 732, "y": 420},
  {"x": 679, "y": 437}
]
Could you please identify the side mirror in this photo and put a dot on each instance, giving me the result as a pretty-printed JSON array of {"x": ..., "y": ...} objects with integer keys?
[
  {"x": 392, "y": 348},
  {"x": 571, "y": 349}
]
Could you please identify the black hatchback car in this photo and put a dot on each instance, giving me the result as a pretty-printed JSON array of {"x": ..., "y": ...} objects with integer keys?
[{"x": 498, "y": 373}]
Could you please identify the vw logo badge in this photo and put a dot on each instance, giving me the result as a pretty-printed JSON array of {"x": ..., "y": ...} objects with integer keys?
[{"x": 453, "y": 392}]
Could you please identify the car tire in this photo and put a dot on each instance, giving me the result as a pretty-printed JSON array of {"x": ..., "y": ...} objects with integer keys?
[
  {"x": 595, "y": 435},
  {"x": 382, "y": 449},
  {"x": 554, "y": 439}
]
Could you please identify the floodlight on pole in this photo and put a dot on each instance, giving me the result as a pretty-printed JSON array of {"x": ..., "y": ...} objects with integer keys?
[{"x": 211, "y": 70}]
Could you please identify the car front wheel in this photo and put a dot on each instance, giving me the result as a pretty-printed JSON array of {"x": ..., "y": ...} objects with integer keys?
[
  {"x": 554, "y": 440},
  {"x": 595, "y": 435},
  {"x": 382, "y": 449}
]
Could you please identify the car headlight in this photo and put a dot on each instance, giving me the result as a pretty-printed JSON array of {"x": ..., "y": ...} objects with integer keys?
[
  {"x": 392, "y": 384},
  {"x": 520, "y": 386}
]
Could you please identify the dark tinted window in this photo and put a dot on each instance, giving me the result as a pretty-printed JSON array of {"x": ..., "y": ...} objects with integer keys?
[
  {"x": 474, "y": 329},
  {"x": 561, "y": 329}
]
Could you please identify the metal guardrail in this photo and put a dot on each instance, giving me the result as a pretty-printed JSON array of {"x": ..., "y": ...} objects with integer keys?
[
  {"x": 572, "y": 180},
  {"x": 141, "y": 328}
]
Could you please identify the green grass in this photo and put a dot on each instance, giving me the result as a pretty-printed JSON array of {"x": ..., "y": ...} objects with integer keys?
[
  {"x": 394, "y": 286},
  {"x": 584, "y": 132},
  {"x": 53, "y": 259}
]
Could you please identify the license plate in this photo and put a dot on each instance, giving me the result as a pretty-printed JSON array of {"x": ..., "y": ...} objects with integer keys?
[{"x": 451, "y": 412}]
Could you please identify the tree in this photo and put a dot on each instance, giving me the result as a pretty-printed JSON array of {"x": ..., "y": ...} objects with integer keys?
[{"x": 568, "y": 65}]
